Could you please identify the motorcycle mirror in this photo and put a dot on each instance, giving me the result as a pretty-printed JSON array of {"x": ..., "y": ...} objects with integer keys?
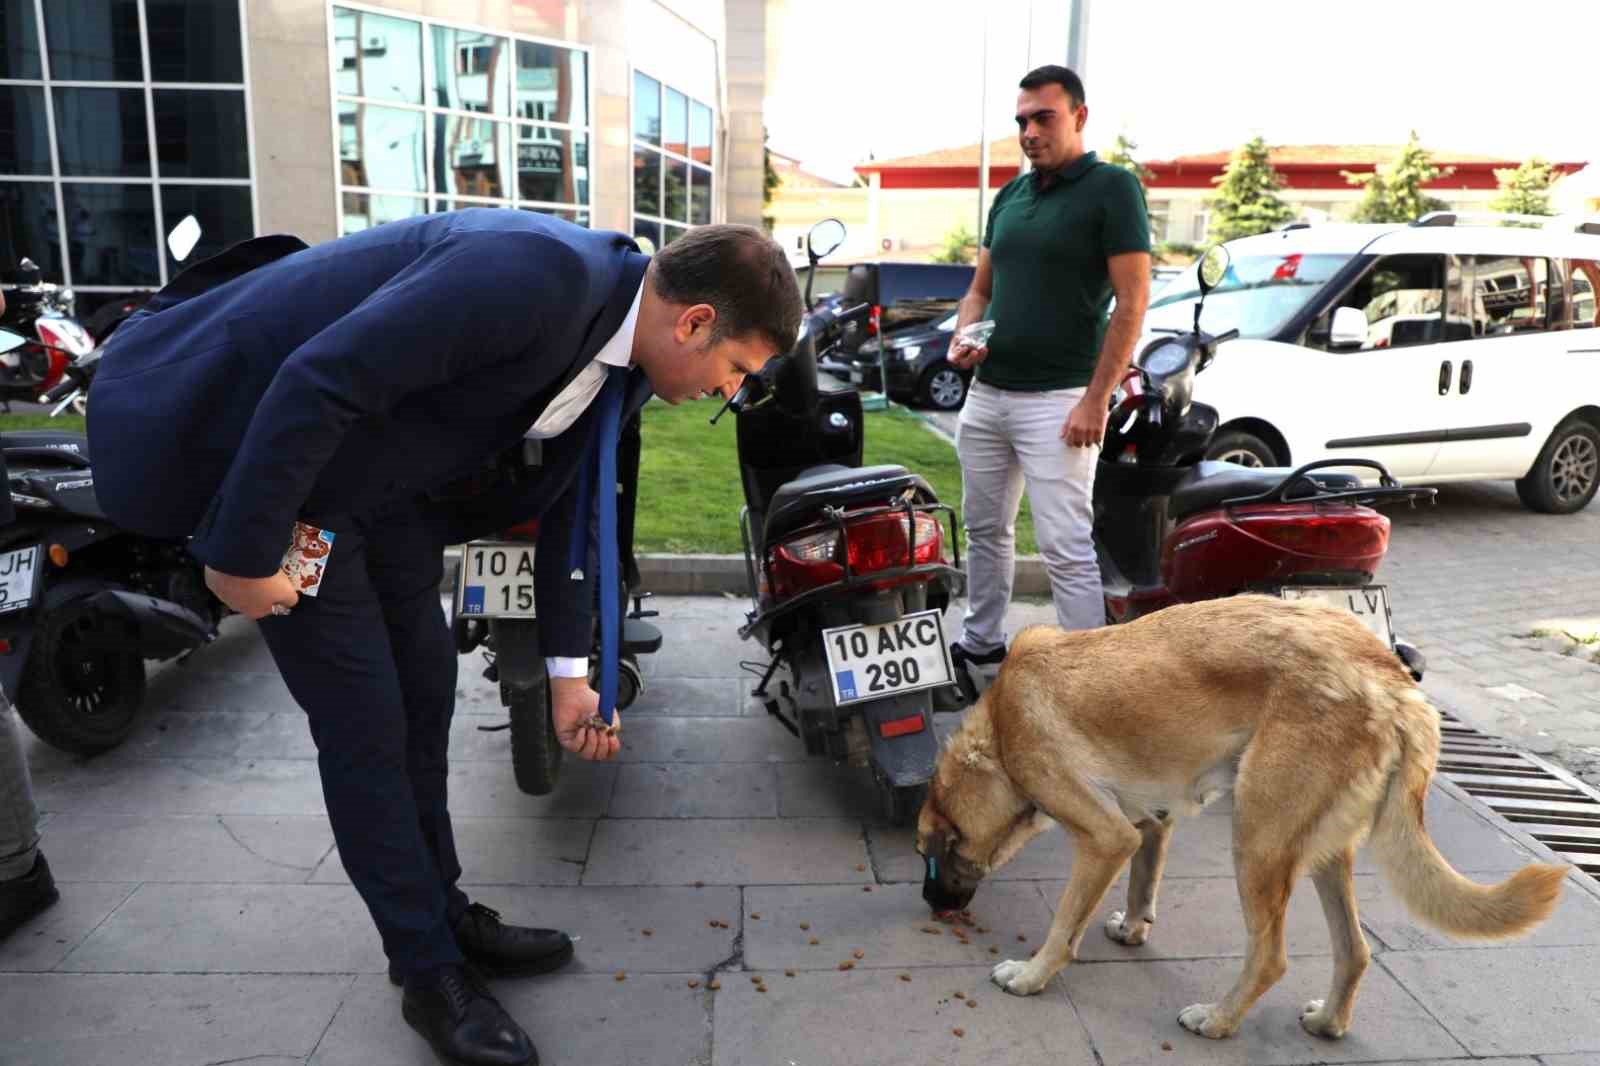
[
  {"x": 184, "y": 236},
  {"x": 1213, "y": 267},
  {"x": 10, "y": 341},
  {"x": 825, "y": 238}
]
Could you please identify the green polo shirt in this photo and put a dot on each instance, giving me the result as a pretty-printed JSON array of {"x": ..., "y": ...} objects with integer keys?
[{"x": 1051, "y": 286}]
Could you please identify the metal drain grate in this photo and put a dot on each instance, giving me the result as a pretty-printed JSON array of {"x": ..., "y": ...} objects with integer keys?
[{"x": 1544, "y": 801}]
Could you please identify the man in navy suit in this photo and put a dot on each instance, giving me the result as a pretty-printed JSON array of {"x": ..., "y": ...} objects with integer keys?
[{"x": 355, "y": 387}]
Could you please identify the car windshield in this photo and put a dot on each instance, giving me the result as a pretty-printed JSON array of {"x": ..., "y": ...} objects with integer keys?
[{"x": 1258, "y": 294}]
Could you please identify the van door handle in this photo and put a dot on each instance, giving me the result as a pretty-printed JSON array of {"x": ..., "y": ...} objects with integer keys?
[
  {"x": 1444, "y": 378},
  {"x": 1466, "y": 376}
]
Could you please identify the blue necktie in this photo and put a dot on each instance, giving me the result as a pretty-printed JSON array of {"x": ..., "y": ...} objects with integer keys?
[{"x": 597, "y": 488}]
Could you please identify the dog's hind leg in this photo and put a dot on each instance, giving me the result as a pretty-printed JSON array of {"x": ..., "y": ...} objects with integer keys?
[
  {"x": 1266, "y": 874},
  {"x": 1336, "y": 888},
  {"x": 1104, "y": 840},
  {"x": 1132, "y": 927}
]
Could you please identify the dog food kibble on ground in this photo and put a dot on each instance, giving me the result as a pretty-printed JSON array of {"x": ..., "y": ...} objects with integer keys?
[
  {"x": 805, "y": 925},
  {"x": 693, "y": 983},
  {"x": 861, "y": 868},
  {"x": 815, "y": 941},
  {"x": 858, "y": 953},
  {"x": 905, "y": 977},
  {"x": 959, "y": 1032},
  {"x": 622, "y": 977},
  {"x": 788, "y": 973},
  {"x": 755, "y": 915},
  {"x": 648, "y": 932},
  {"x": 714, "y": 985},
  {"x": 847, "y": 966}
]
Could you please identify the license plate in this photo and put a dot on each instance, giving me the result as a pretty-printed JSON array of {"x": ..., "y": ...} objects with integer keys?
[
  {"x": 19, "y": 571},
  {"x": 869, "y": 662},
  {"x": 1370, "y": 604},
  {"x": 496, "y": 581}
]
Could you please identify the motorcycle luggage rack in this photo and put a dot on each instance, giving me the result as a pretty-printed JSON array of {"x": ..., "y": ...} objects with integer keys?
[
  {"x": 836, "y": 519},
  {"x": 1388, "y": 488}
]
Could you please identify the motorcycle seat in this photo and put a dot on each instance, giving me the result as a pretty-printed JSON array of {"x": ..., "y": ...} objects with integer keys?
[
  {"x": 1210, "y": 483},
  {"x": 798, "y": 502}
]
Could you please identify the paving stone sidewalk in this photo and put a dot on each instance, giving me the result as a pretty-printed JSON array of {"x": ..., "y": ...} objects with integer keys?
[{"x": 206, "y": 919}]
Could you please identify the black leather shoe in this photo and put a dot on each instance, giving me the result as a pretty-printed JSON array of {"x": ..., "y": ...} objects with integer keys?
[
  {"x": 23, "y": 897},
  {"x": 506, "y": 950},
  {"x": 961, "y": 656},
  {"x": 455, "y": 1013}
]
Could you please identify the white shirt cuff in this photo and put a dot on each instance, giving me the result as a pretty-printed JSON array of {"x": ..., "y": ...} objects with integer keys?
[{"x": 566, "y": 666}]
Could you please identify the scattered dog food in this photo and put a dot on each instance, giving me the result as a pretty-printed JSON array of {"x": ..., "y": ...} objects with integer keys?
[
  {"x": 714, "y": 985},
  {"x": 805, "y": 925},
  {"x": 847, "y": 966},
  {"x": 693, "y": 983},
  {"x": 972, "y": 1003},
  {"x": 756, "y": 915},
  {"x": 788, "y": 973},
  {"x": 622, "y": 977},
  {"x": 861, "y": 867},
  {"x": 866, "y": 888},
  {"x": 994, "y": 951},
  {"x": 648, "y": 932},
  {"x": 906, "y": 977},
  {"x": 814, "y": 941},
  {"x": 858, "y": 953},
  {"x": 1021, "y": 939},
  {"x": 959, "y": 1032},
  {"x": 931, "y": 931},
  {"x": 959, "y": 995},
  {"x": 1166, "y": 1045}
]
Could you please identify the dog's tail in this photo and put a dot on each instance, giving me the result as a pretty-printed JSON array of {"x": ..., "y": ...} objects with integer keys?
[{"x": 1432, "y": 890}]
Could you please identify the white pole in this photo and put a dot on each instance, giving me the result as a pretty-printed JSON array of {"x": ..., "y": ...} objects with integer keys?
[
  {"x": 983, "y": 133},
  {"x": 1078, "y": 38}
]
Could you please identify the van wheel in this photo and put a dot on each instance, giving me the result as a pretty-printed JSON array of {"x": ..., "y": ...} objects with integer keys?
[
  {"x": 1237, "y": 446},
  {"x": 1564, "y": 477},
  {"x": 943, "y": 388}
]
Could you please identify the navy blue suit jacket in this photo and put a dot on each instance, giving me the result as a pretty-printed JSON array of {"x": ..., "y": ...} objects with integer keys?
[{"x": 384, "y": 365}]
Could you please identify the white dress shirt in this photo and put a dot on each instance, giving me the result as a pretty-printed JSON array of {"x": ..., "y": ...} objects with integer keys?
[{"x": 564, "y": 410}]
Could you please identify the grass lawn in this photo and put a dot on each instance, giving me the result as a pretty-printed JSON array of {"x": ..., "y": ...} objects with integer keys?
[
  {"x": 67, "y": 423},
  {"x": 689, "y": 493}
]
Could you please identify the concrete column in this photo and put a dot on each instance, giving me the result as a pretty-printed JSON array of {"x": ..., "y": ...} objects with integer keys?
[{"x": 747, "y": 89}]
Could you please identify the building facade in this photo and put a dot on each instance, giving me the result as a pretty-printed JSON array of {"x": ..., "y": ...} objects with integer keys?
[{"x": 323, "y": 117}]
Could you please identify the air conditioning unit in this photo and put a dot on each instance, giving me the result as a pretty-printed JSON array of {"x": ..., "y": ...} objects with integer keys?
[{"x": 374, "y": 44}]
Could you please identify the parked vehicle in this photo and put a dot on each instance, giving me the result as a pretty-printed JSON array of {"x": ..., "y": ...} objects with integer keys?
[
  {"x": 84, "y": 603},
  {"x": 494, "y": 610},
  {"x": 42, "y": 314},
  {"x": 1429, "y": 347},
  {"x": 918, "y": 371},
  {"x": 850, "y": 570},
  {"x": 890, "y": 297},
  {"x": 1171, "y": 527}
]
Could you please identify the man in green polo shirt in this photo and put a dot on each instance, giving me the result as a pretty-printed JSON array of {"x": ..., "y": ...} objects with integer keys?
[{"x": 1061, "y": 241}]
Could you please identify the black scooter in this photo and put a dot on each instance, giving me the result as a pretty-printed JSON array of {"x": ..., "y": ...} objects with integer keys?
[{"x": 850, "y": 570}]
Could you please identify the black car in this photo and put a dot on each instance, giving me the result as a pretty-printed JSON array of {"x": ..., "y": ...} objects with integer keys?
[
  {"x": 918, "y": 370},
  {"x": 884, "y": 298}
]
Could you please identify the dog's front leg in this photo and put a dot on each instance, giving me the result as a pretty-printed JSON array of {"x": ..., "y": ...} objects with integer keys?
[{"x": 1101, "y": 852}]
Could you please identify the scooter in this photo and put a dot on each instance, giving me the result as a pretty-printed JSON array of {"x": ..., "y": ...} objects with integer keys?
[
  {"x": 1172, "y": 528},
  {"x": 849, "y": 569},
  {"x": 41, "y": 313},
  {"x": 83, "y": 603}
]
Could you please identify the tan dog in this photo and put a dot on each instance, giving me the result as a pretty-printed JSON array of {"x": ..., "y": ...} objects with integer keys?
[{"x": 1315, "y": 725}]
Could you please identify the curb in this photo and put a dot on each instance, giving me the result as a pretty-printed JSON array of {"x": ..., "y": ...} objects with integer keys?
[{"x": 718, "y": 575}]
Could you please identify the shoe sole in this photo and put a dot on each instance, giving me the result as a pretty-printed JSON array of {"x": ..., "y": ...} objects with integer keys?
[
  {"x": 547, "y": 964},
  {"x": 405, "y": 1012},
  {"x": 17, "y": 921}
]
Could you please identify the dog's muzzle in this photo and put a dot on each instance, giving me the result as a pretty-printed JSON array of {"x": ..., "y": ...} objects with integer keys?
[{"x": 944, "y": 889}]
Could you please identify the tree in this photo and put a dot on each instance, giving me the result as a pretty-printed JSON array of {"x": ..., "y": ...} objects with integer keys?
[
  {"x": 1394, "y": 191},
  {"x": 1246, "y": 202},
  {"x": 960, "y": 246},
  {"x": 1121, "y": 155},
  {"x": 770, "y": 179},
  {"x": 1525, "y": 190}
]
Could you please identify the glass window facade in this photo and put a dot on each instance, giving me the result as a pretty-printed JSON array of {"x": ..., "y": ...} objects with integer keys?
[
  {"x": 434, "y": 117},
  {"x": 673, "y": 185},
  {"x": 117, "y": 118}
]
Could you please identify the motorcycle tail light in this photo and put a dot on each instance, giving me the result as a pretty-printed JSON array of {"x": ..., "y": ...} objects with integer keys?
[
  {"x": 1342, "y": 533},
  {"x": 528, "y": 530},
  {"x": 872, "y": 322},
  {"x": 879, "y": 542}
]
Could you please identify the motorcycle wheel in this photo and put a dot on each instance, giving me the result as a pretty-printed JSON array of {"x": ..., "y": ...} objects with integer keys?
[
  {"x": 630, "y": 682},
  {"x": 74, "y": 697},
  {"x": 901, "y": 804},
  {"x": 535, "y": 753}
]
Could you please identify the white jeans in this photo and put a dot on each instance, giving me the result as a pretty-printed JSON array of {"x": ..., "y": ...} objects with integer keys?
[
  {"x": 19, "y": 821},
  {"x": 1007, "y": 440}
]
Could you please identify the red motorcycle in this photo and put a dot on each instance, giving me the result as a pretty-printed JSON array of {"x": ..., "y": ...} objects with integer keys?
[{"x": 1171, "y": 527}]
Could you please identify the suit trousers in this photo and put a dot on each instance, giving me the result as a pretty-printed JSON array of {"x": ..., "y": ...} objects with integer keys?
[
  {"x": 1007, "y": 440},
  {"x": 372, "y": 662}
]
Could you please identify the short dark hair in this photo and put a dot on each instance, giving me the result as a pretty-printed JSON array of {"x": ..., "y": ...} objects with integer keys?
[
  {"x": 1050, "y": 74},
  {"x": 742, "y": 273}
]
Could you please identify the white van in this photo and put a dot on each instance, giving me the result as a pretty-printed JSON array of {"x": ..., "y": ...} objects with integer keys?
[{"x": 1447, "y": 350}]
